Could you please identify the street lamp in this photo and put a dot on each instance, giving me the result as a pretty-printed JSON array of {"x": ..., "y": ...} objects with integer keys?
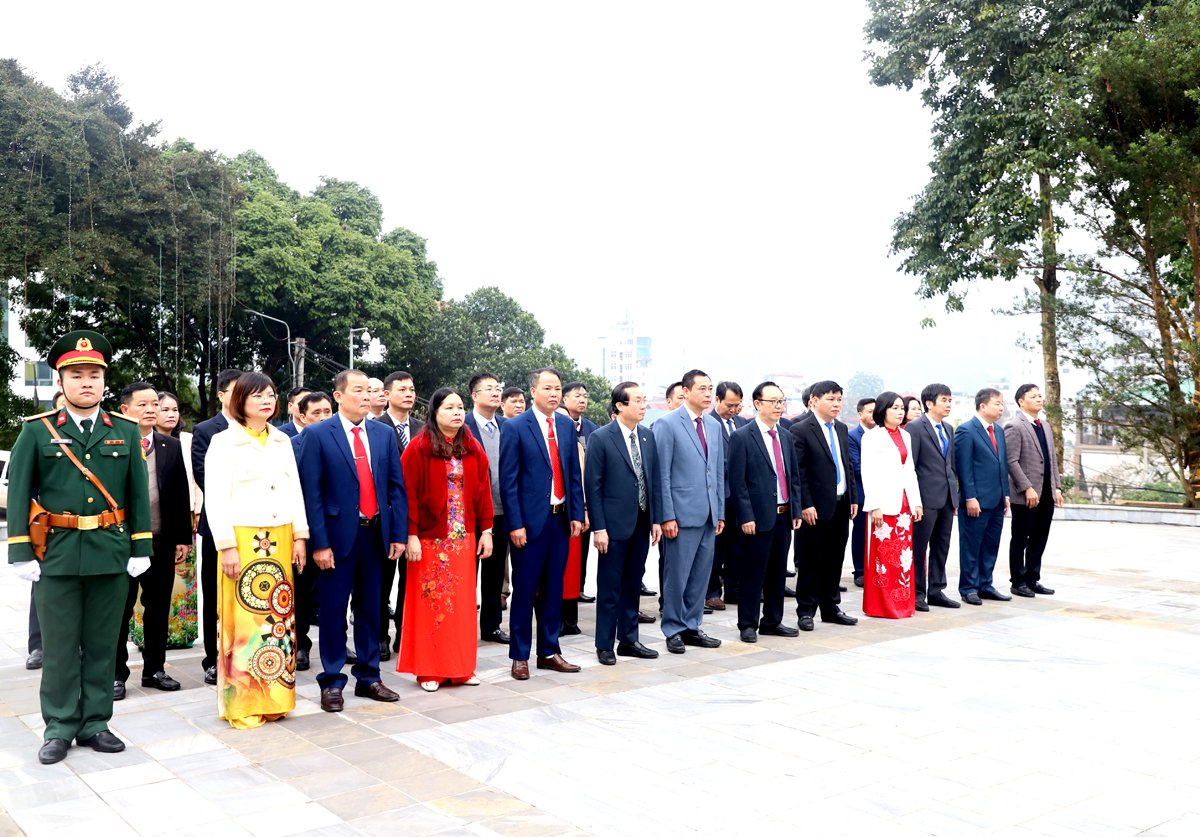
[{"x": 366, "y": 338}]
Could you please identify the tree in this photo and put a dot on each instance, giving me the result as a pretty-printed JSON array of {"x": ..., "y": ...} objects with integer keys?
[
  {"x": 861, "y": 385},
  {"x": 996, "y": 75}
]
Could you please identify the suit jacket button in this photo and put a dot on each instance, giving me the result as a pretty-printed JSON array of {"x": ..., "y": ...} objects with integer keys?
[
  {"x": 59, "y": 453},
  {"x": 87, "y": 456},
  {"x": 91, "y": 499}
]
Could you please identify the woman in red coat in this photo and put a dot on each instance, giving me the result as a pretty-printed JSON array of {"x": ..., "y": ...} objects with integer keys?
[{"x": 449, "y": 499}]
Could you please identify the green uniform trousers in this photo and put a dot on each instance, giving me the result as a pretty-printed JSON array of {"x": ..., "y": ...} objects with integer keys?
[{"x": 81, "y": 620}]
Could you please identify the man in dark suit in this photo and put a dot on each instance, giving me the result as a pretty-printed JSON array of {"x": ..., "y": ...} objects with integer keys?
[
  {"x": 764, "y": 498},
  {"x": 722, "y": 581},
  {"x": 171, "y": 525},
  {"x": 357, "y": 518},
  {"x": 933, "y": 457},
  {"x": 401, "y": 398},
  {"x": 575, "y": 404},
  {"x": 858, "y": 530},
  {"x": 1036, "y": 489},
  {"x": 625, "y": 500},
  {"x": 828, "y": 497},
  {"x": 541, "y": 484},
  {"x": 292, "y": 426},
  {"x": 313, "y": 408},
  {"x": 487, "y": 424},
  {"x": 210, "y": 564},
  {"x": 981, "y": 461}
]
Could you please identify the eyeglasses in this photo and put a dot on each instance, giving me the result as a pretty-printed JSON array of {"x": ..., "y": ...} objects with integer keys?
[
  {"x": 773, "y": 402},
  {"x": 486, "y": 389}
]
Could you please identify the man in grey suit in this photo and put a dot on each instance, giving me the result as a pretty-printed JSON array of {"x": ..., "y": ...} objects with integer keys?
[
  {"x": 1033, "y": 480},
  {"x": 691, "y": 451},
  {"x": 933, "y": 458}
]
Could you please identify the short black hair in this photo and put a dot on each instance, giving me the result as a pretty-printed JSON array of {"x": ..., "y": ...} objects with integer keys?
[
  {"x": 933, "y": 392},
  {"x": 758, "y": 390},
  {"x": 131, "y": 390},
  {"x": 1022, "y": 389},
  {"x": 399, "y": 375},
  {"x": 574, "y": 385},
  {"x": 537, "y": 373},
  {"x": 478, "y": 378},
  {"x": 509, "y": 392},
  {"x": 883, "y": 403},
  {"x": 823, "y": 388},
  {"x": 985, "y": 395},
  {"x": 620, "y": 395},
  {"x": 226, "y": 377},
  {"x": 690, "y": 376},
  {"x": 314, "y": 396},
  {"x": 863, "y": 402},
  {"x": 342, "y": 379},
  {"x": 671, "y": 389},
  {"x": 806, "y": 396},
  {"x": 294, "y": 391},
  {"x": 726, "y": 387}
]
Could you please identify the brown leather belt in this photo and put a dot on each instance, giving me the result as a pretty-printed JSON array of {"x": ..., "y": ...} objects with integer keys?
[
  {"x": 88, "y": 521},
  {"x": 782, "y": 509}
]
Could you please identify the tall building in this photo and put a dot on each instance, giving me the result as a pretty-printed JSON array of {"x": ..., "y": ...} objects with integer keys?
[
  {"x": 623, "y": 355},
  {"x": 32, "y": 376}
]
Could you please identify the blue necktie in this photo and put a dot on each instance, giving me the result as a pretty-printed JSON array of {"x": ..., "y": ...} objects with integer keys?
[
  {"x": 945, "y": 443},
  {"x": 837, "y": 460}
]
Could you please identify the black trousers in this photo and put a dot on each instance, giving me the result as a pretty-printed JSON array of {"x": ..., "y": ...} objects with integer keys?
[
  {"x": 155, "y": 585},
  {"x": 388, "y": 573},
  {"x": 820, "y": 551},
  {"x": 491, "y": 579},
  {"x": 35, "y": 629},
  {"x": 724, "y": 576},
  {"x": 762, "y": 571},
  {"x": 209, "y": 568},
  {"x": 1027, "y": 540},
  {"x": 619, "y": 586},
  {"x": 931, "y": 545},
  {"x": 307, "y": 602}
]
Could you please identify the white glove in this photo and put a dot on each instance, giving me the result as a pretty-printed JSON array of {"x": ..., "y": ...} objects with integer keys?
[
  {"x": 137, "y": 566},
  {"x": 28, "y": 570}
]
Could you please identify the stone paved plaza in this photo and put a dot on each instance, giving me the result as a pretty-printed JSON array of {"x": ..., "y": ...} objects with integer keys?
[{"x": 1077, "y": 714}]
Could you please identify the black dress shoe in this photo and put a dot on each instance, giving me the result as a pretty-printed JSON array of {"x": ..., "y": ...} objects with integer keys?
[
  {"x": 675, "y": 644},
  {"x": 646, "y": 591},
  {"x": 497, "y": 635},
  {"x": 569, "y": 630},
  {"x": 636, "y": 649},
  {"x": 791, "y": 573},
  {"x": 789, "y": 593},
  {"x": 34, "y": 661},
  {"x": 749, "y": 635},
  {"x": 779, "y": 630},
  {"x": 994, "y": 594},
  {"x": 375, "y": 691},
  {"x": 839, "y": 618},
  {"x": 385, "y": 653},
  {"x": 942, "y": 600},
  {"x": 1022, "y": 591},
  {"x": 842, "y": 588},
  {"x": 806, "y": 623},
  {"x": 858, "y": 580},
  {"x": 606, "y": 658},
  {"x": 922, "y": 606},
  {"x": 331, "y": 699},
  {"x": 53, "y": 751},
  {"x": 162, "y": 681},
  {"x": 102, "y": 742},
  {"x": 708, "y": 611},
  {"x": 118, "y": 690},
  {"x": 210, "y": 675},
  {"x": 646, "y": 618},
  {"x": 1041, "y": 589},
  {"x": 700, "y": 639},
  {"x": 972, "y": 599},
  {"x": 586, "y": 599},
  {"x": 302, "y": 661}
]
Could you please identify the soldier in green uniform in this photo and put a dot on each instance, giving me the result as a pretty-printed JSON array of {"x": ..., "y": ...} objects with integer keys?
[{"x": 91, "y": 548}]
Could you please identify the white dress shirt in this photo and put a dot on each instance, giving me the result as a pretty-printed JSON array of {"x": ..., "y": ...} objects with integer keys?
[
  {"x": 542, "y": 417},
  {"x": 348, "y": 427},
  {"x": 765, "y": 432}
]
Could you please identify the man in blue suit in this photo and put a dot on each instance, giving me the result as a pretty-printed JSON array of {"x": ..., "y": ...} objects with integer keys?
[
  {"x": 358, "y": 517},
  {"x": 691, "y": 450},
  {"x": 764, "y": 498},
  {"x": 981, "y": 460},
  {"x": 624, "y": 494},
  {"x": 542, "y": 489},
  {"x": 487, "y": 424},
  {"x": 858, "y": 528}
]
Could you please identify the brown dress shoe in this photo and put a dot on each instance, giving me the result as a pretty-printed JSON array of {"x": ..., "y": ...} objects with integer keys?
[
  {"x": 715, "y": 603},
  {"x": 557, "y": 663},
  {"x": 375, "y": 691},
  {"x": 646, "y": 618},
  {"x": 520, "y": 669},
  {"x": 331, "y": 699}
]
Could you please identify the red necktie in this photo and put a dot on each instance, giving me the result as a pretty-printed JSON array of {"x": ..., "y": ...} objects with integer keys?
[
  {"x": 992, "y": 434},
  {"x": 368, "y": 506},
  {"x": 555, "y": 463},
  {"x": 1037, "y": 422},
  {"x": 700, "y": 433},
  {"x": 145, "y": 444},
  {"x": 779, "y": 470}
]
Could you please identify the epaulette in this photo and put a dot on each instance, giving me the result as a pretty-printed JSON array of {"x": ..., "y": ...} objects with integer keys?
[
  {"x": 123, "y": 416},
  {"x": 40, "y": 415}
]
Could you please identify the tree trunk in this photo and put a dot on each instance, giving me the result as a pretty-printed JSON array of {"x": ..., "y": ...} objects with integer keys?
[{"x": 1047, "y": 285}]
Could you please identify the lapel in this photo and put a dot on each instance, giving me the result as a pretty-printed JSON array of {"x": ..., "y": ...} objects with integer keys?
[
  {"x": 534, "y": 428},
  {"x": 68, "y": 429},
  {"x": 818, "y": 429},
  {"x": 987, "y": 440},
  {"x": 931, "y": 431},
  {"x": 100, "y": 430},
  {"x": 761, "y": 444},
  {"x": 689, "y": 427},
  {"x": 618, "y": 433},
  {"x": 377, "y": 453},
  {"x": 342, "y": 442}
]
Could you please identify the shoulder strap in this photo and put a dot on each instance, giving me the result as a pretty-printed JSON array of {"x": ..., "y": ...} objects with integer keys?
[{"x": 92, "y": 478}]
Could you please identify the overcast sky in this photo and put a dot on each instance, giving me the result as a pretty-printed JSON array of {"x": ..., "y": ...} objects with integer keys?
[{"x": 725, "y": 174}]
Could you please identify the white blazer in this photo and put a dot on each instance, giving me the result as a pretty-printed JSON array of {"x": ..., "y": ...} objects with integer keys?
[
  {"x": 197, "y": 495},
  {"x": 251, "y": 484},
  {"x": 885, "y": 480}
]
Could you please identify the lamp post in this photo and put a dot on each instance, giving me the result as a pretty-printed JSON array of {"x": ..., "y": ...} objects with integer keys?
[
  {"x": 366, "y": 338},
  {"x": 291, "y": 356}
]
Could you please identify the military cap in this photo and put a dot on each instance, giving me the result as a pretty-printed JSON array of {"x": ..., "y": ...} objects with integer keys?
[{"x": 80, "y": 347}]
